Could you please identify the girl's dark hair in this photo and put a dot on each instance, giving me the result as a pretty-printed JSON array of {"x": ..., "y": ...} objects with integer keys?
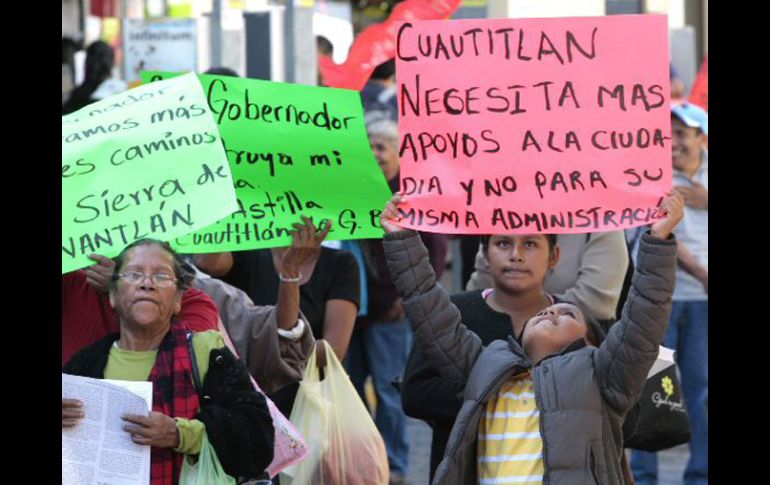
[
  {"x": 182, "y": 277},
  {"x": 550, "y": 237}
]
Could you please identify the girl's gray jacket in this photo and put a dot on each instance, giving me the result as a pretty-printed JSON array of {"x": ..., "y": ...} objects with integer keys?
[{"x": 583, "y": 393}]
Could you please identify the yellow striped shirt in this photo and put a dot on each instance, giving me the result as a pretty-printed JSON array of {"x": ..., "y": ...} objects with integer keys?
[{"x": 510, "y": 449}]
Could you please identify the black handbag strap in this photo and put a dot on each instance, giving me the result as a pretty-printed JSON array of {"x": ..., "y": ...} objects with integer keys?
[{"x": 196, "y": 375}]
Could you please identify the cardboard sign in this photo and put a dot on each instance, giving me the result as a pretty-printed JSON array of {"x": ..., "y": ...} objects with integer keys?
[
  {"x": 558, "y": 125},
  {"x": 147, "y": 162},
  {"x": 293, "y": 150},
  {"x": 377, "y": 44}
]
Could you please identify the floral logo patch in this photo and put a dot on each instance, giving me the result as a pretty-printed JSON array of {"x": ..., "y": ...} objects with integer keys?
[{"x": 668, "y": 385}]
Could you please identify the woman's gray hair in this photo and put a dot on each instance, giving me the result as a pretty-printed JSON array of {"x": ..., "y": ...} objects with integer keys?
[{"x": 380, "y": 123}]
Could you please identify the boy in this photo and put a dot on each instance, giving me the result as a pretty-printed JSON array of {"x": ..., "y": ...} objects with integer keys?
[{"x": 549, "y": 410}]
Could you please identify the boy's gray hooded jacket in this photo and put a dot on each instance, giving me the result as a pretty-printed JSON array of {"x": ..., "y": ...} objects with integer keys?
[{"x": 582, "y": 393}]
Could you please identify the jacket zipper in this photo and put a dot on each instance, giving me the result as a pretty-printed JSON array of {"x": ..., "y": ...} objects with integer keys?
[{"x": 539, "y": 402}]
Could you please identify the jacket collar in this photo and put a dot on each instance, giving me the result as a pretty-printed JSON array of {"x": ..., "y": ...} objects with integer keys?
[
  {"x": 576, "y": 345},
  {"x": 515, "y": 347}
]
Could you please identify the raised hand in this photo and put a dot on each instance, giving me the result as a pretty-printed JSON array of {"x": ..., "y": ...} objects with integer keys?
[
  {"x": 305, "y": 247},
  {"x": 390, "y": 216},
  {"x": 99, "y": 275},
  {"x": 672, "y": 206}
]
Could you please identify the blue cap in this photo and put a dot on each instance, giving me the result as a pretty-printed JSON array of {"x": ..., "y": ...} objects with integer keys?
[{"x": 692, "y": 116}]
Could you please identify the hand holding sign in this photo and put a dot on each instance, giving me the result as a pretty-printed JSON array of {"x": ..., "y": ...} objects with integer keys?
[
  {"x": 672, "y": 208},
  {"x": 99, "y": 275},
  {"x": 391, "y": 217},
  {"x": 301, "y": 256}
]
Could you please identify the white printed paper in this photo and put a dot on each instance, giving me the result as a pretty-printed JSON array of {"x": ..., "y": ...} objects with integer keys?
[{"x": 97, "y": 451}]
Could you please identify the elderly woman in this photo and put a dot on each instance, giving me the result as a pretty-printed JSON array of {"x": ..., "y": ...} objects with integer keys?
[{"x": 146, "y": 292}]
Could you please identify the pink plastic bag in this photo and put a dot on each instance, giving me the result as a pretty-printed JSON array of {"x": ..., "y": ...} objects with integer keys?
[{"x": 290, "y": 447}]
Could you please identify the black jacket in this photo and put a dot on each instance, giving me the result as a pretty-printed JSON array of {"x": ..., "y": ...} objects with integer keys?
[{"x": 236, "y": 416}]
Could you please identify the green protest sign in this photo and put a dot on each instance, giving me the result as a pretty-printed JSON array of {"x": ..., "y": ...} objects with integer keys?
[
  {"x": 148, "y": 162},
  {"x": 293, "y": 150}
]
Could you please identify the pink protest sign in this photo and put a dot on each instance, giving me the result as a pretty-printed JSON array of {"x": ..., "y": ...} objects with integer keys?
[{"x": 558, "y": 125}]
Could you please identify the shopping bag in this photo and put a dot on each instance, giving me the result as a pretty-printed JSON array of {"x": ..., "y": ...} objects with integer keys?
[
  {"x": 659, "y": 420},
  {"x": 345, "y": 447},
  {"x": 289, "y": 446},
  {"x": 207, "y": 471}
]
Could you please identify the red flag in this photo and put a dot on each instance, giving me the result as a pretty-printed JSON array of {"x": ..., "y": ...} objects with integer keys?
[
  {"x": 700, "y": 90},
  {"x": 377, "y": 44}
]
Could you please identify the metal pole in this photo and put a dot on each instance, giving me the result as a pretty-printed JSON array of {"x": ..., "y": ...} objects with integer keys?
[
  {"x": 288, "y": 41},
  {"x": 216, "y": 34}
]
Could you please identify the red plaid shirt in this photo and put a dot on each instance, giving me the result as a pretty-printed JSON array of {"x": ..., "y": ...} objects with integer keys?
[{"x": 173, "y": 395}]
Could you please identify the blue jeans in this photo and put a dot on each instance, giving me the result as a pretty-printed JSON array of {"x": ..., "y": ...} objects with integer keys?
[
  {"x": 381, "y": 350},
  {"x": 688, "y": 335}
]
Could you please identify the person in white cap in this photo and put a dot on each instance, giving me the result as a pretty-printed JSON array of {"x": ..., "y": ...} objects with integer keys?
[{"x": 688, "y": 328}]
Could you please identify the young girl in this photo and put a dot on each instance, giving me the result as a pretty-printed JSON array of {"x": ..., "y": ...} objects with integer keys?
[
  {"x": 518, "y": 265},
  {"x": 551, "y": 408}
]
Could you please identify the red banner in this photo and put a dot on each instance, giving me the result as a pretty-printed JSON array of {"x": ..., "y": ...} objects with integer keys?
[
  {"x": 377, "y": 44},
  {"x": 700, "y": 90}
]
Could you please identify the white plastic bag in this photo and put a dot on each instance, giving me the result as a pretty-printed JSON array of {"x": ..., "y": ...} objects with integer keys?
[{"x": 345, "y": 447}]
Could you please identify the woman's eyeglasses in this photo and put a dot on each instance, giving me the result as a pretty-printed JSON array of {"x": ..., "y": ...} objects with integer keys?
[{"x": 136, "y": 277}]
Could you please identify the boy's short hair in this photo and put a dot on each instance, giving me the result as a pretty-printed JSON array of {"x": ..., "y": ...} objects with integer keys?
[{"x": 486, "y": 237}]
